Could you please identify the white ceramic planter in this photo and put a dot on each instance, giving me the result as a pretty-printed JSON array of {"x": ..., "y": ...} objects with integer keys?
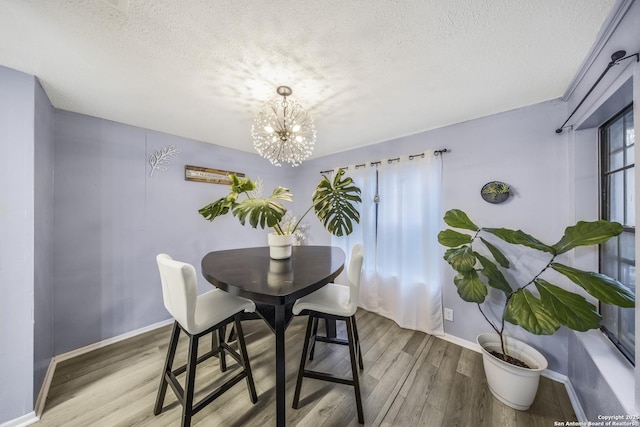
[
  {"x": 280, "y": 245},
  {"x": 512, "y": 385}
]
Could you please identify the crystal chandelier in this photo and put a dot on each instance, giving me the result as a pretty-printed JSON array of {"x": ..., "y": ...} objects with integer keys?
[{"x": 283, "y": 131}]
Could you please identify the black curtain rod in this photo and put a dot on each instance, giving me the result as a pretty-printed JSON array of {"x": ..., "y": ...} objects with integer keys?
[
  {"x": 331, "y": 170},
  {"x": 616, "y": 58},
  {"x": 397, "y": 159}
]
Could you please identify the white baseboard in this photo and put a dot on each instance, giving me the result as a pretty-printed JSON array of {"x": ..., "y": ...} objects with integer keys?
[
  {"x": 25, "y": 420},
  {"x": 575, "y": 402},
  {"x": 473, "y": 346},
  {"x": 46, "y": 384},
  {"x": 83, "y": 350},
  {"x": 44, "y": 390},
  {"x": 547, "y": 373}
]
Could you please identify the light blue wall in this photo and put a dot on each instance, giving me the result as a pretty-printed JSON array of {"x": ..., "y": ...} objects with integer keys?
[
  {"x": 16, "y": 243},
  {"x": 594, "y": 391},
  {"x": 44, "y": 249},
  {"x": 518, "y": 147},
  {"x": 112, "y": 218},
  {"x": 592, "y": 381}
]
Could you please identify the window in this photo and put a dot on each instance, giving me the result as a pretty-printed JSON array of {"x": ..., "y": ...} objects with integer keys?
[{"x": 617, "y": 256}]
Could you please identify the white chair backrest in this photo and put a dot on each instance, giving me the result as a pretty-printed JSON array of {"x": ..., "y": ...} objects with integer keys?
[
  {"x": 179, "y": 289},
  {"x": 355, "y": 272}
]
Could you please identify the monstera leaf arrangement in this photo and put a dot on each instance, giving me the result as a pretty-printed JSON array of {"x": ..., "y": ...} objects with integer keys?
[
  {"x": 333, "y": 202},
  {"x": 538, "y": 306}
]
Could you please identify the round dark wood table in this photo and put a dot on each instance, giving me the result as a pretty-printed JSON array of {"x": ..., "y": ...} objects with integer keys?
[{"x": 274, "y": 285}]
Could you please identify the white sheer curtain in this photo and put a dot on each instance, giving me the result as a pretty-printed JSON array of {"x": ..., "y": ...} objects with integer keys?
[
  {"x": 401, "y": 278},
  {"x": 364, "y": 232}
]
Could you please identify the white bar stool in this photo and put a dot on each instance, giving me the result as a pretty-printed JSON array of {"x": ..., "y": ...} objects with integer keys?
[
  {"x": 337, "y": 302},
  {"x": 199, "y": 315}
]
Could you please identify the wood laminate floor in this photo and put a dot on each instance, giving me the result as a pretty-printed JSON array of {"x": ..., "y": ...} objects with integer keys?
[{"x": 409, "y": 379}]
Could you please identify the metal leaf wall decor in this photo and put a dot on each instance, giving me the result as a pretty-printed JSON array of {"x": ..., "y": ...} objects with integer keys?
[{"x": 162, "y": 157}]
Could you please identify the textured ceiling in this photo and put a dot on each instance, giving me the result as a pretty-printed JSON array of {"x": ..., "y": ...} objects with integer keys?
[{"x": 367, "y": 70}]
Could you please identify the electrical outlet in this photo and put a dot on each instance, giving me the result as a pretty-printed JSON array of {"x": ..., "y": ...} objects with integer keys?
[{"x": 448, "y": 314}]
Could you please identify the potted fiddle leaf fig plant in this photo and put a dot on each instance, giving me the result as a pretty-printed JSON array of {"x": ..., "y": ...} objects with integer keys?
[
  {"x": 333, "y": 201},
  {"x": 536, "y": 304}
]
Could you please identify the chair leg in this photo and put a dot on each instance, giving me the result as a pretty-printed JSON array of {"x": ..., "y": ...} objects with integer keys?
[
  {"x": 354, "y": 368},
  {"x": 232, "y": 335},
  {"x": 245, "y": 360},
  {"x": 315, "y": 334},
  {"x": 187, "y": 409},
  {"x": 222, "y": 355},
  {"x": 357, "y": 338},
  {"x": 303, "y": 359},
  {"x": 168, "y": 366}
]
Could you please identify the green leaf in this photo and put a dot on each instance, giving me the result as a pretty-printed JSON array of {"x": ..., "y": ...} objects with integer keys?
[
  {"x": 218, "y": 208},
  {"x": 222, "y": 206},
  {"x": 497, "y": 254},
  {"x": 519, "y": 237},
  {"x": 527, "y": 311},
  {"x": 570, "y": 309},
  {"x": 470, "y": 287},
  {"x": 603, "y": 287},
  {"x": 241, "y": 185},
  {"x": 264, "y": 212},
  {"x": 334, "y": 204},
  {"x": 452, "y": 239},
  {"x": 587, "y": 233},
  {"x": 462, "y": 259},
  {"x": 458, "y": 219},
  {"x": 493, "y": 275}
]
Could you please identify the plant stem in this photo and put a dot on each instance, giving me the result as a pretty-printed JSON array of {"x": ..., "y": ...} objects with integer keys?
[
  {"x": 541, "y": 271},
  {"x": 501, "y": 333},
  {"x": 298, "y": 222},
  {"x": 488, "y": 321}
]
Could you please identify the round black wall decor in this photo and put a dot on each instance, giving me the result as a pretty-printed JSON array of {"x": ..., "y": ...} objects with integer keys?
[{"x": 495, "y": 192}]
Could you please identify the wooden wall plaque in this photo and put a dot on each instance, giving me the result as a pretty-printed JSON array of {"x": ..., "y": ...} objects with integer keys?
[{"x": 212, "y": 176}]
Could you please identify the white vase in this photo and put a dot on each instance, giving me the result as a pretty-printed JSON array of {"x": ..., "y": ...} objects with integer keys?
[
  {"x": 280, "y": 245},
  {"x": 512, "y": 385}
]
